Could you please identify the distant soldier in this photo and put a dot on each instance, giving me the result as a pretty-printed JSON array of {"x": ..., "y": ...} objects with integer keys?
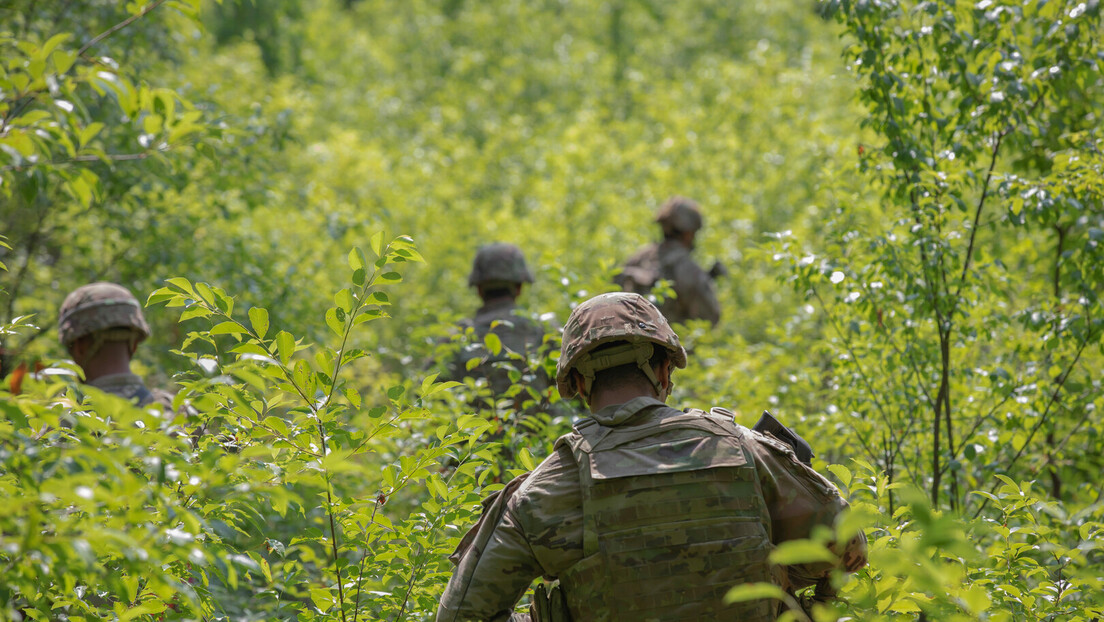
[
  {"x": 695, "y": 297},
  {"x": 101, "y": 326},
  {"x": 644, "y": 512},
  {"x": 498, "y": 275}
]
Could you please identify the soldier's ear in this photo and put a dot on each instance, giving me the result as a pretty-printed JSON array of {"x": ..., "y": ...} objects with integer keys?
[
  {"x": 580, "y": 385},
  {"x": 664, "y": 373},
  {"x": 78, "y": 348}
]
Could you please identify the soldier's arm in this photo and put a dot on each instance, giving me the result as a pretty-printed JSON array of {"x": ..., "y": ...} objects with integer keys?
[
  {"x": 696, "y": 292},
  {"x": 536, "y": 531},
  {"x": 493, "y": 571},
  {"x": 798, "y": 500}
]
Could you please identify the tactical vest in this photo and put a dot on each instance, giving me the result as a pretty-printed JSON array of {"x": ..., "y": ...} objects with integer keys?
[{"x": 673, "y": 517}]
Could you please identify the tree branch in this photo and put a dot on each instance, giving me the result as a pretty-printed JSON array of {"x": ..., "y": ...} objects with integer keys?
[
  {"x": 120, "y": 157},
  {"x": 121, "y": 25},
  {"x": 1043, "y": 417}
]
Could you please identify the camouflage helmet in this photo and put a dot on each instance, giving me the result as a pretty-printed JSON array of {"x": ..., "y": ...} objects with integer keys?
[
  {"x": 609, "y": 318},
  {"x": 679, "y": 215},
  {"x": 499, "y": 263},
  {"x": 98, "y": 307}
]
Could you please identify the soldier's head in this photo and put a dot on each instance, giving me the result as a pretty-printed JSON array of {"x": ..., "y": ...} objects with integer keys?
[
  {"x": 680, "y": 218},
  {"x": 617, "y": 344},
  {"x": 101, "y": 325},
  {"x": 499, "y": 271}
]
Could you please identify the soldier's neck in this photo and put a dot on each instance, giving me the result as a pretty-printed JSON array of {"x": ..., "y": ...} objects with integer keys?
[
  {"x": 106, "y": 363},
  {"x": 600, "y": 398},
  {"x": 499, "y": 301}
]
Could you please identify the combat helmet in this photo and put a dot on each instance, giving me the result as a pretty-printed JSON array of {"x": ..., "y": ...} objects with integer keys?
[
  {"x": 499, "y": 263},
  {"x": 107, "y": 310},
  {"x": 615, "y": 317},
  {"x": 679, "y": 215}
]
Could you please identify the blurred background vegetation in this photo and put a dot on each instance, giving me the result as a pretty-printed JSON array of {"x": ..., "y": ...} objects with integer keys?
[{"x": 907, "y": 196}]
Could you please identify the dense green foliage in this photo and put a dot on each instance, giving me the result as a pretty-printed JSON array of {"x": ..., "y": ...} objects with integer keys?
[{"x": 909, "y": 197}]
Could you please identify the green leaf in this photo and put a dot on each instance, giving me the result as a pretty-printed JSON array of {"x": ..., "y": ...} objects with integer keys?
[
  {"x": 206, "y": 294},
  {"x": 194, "y": 311},
  {"x": 344, "y": 300},
  {"x": 228, "y": 328},
  {"x": 842, "y": 474},
  {"x": 322, "y": 598},
  {"x": 801, "y": 552},
  {"x": 258, "y": 318},
  {"x": 376, "y": 243},
  {"x": 285, "y": 346},
  {"x": 182, "y": 284},
  {"x": 493, "y": 343},
  {"x": 143, "y": 609},
  {"x": 357, "y": 261},
  {"x": 160, "y": 295},
  {"x": 754, "y": 591},
  {"x": 336, "y": 324}
]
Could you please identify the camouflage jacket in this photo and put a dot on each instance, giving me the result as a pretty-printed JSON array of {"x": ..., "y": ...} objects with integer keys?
[
  {"x": 131, "y": 387},
  {"x": 695, "y": 296},
  {"x": 535, "y": 527},
  {"x": 518, "y": 334}
]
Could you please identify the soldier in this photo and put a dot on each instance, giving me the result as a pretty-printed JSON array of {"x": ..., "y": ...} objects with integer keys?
[
  {"x": 101, "y": 325},
  {"x": 498, "y": 275},
  {"x": 644, "y": 512},
  {"x": 695, "y": 298}
]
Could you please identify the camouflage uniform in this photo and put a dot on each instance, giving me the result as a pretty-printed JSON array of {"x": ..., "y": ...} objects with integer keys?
[
  {"x": 518, "y": 334},
  {"x": 695, "y": 296},
  {"x": 109, "y": 312},
  {"x": 131, "y": 387},
  {"x": 644, "y": 512},
  {"x": 496, "y": 266}
]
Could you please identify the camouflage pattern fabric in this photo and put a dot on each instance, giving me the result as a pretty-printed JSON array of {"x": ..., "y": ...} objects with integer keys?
[
  {"x": 131, "y": 387},
  {"x": 518, "y": 334},
  {"x": 100, "y": 306},
  {"x": 541, "y": 528},
  {"x": 695, "y": 296},
  {"x": 499, "y": 263}
]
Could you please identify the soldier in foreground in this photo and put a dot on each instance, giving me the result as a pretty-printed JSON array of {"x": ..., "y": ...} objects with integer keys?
[
  {"x": 644, "y": 512},
  {"x": 695, "y": 297},
  {"x": 101, "y": 325}
]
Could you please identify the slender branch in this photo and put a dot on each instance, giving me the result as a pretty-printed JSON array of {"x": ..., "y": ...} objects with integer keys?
[
  {"x": 1043, "y": 417},
  {"x": 977, "y": 219},
  {"x": 32, "y": 245},
  {"x": 1085, "y": 417},
  {"x": 360, "y": 571},
  {"x": 113, "y": 157},
  {"x": 980, "y": 420},
  {"x": 121, "y": 25},
  {"x": 349, "y": 324},
  {"x": 18, "y": 110},
  {"x": 333, "y": 543},
  {"x": 862, "y": 374},
  {"x": 912, "y": 365}
]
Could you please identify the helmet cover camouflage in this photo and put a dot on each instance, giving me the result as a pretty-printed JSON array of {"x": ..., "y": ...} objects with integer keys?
[
  {"x": 100, "y": 306},
  {"x": 608, "y": 318},
  {"x": 499, "y": 263},
  {"x": 679, "y": 215}
]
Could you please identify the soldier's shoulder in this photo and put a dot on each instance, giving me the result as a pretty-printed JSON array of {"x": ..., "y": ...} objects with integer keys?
[
  {"x": 644, "y": 252},
  {"x": 771, "y": 442},
  {"x": 776, "y": 452}
]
